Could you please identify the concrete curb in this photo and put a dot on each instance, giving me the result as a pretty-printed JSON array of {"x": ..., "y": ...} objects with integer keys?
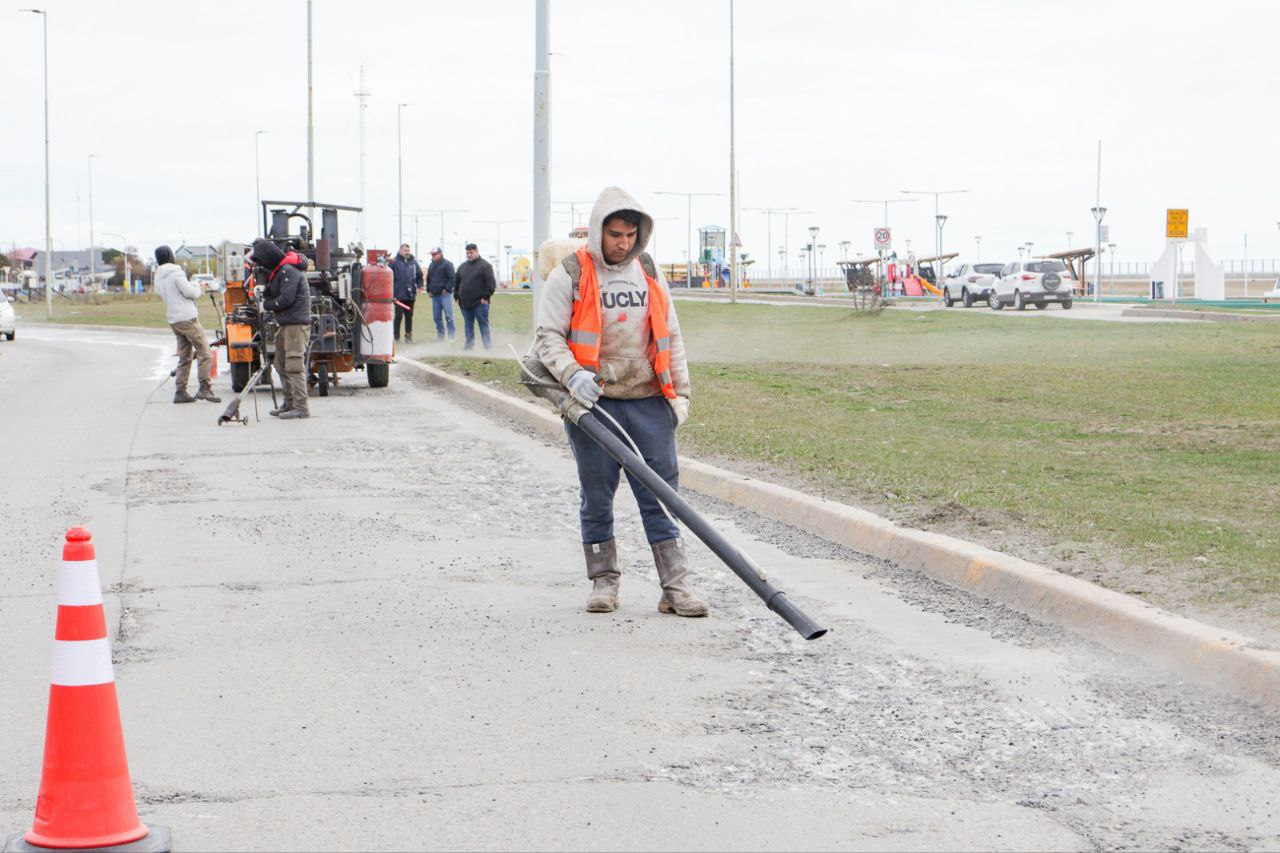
[
  {"x": 1211, "y": 316},
  {"x": 1226, "y": 660}
]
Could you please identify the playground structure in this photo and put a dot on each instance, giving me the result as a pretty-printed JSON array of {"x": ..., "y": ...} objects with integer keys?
[{"x": 916, "y": 276}]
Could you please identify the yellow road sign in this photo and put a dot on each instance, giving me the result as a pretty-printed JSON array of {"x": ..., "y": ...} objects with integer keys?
[{"x": 1175, "y": 223}]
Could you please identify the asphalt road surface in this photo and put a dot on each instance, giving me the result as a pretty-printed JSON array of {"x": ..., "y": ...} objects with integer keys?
[{"x": 365, "y": 631}]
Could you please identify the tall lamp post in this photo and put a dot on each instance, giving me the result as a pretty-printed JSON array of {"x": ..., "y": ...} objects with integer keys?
[
  {"x": 941, "y": 219},
  {"x": 936, "y": 213},
  {"x": 498, "y": 223},
  {"x": 1098, "y": 212},
  {"x": 688, "y": 227},
  {"x": 844, "y": 249},
  {"x": 400, "y": 175},
  {"x": 48, "y": 219},
  {"x": 257, "y": 181},
  {"x": 92, "y": 265},
  {"x": 977, "y": 248},
  {"x": 1029, "y": 244},
  {"x": 1069, "y": 233},
  {"x": 1111, "y": 255},
  {"x": 813, "y": 253}
]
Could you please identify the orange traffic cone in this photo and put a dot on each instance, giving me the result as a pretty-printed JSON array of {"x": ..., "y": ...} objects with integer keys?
[{"x": 86, "y": 799}]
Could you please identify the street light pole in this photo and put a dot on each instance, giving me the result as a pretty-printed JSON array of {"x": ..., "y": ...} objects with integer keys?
[
  {"x": 813, "y": 255},
  {"x": 936, "y": 213},
  {"x": 688, "y": 227},
  {"x": 1098, "y": 213},
  {"x": 977, "y": 251},
  {"x": 48, "y": 218},
  {"x": 92, "y": 265},
  {"x": 941, "y": 219},
  {"x": 400, "y": 174},
  {"x": 441, "y": 214},
  {"x": 497, "y": 223},
  {"x": 1111, "y": 254},
  {"x": 769, "y": 212},
  {"x": 257, "y": 180}
]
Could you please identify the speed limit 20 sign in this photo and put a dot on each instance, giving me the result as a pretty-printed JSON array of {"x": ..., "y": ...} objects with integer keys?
[{"x": 884, "y": 239}]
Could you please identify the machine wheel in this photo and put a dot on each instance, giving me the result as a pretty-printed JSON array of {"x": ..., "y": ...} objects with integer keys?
[
  {"x": 1066, "y": 305},
  {"x": 1018, "y": 302},
  {"x": 993, "y": 301},
  {"x": 379, "y": 374},
  {"x": 967, "y": 298},
  {"x": 323, "y": 379},
  {"x": 946, "y": 297},
  {"x": 240, "y": 374}
]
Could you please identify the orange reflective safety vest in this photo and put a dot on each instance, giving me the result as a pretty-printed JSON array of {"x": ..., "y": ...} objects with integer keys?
[{"x": 585, "y": 326}]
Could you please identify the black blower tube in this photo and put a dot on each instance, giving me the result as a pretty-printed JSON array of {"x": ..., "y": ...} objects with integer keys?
[{"x": 774, "y": 598}]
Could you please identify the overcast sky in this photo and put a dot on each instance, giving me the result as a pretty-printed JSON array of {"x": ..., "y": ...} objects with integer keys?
[{"x": 835, "y": 101}]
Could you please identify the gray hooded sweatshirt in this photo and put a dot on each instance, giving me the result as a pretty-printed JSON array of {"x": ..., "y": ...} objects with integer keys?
[{"x": 624, "y": 299}]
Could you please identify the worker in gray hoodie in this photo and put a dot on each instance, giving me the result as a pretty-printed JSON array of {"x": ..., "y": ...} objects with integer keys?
[
  {"x": 181, "y": 309},
  {"x": 607, "y": 329}
]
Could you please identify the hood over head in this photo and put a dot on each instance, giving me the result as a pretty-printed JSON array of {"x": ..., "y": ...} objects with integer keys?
[
  {"x": 266, "y": 253},
  {"x": 612, "y": 200},
  {"x": 164, "y": 255}
]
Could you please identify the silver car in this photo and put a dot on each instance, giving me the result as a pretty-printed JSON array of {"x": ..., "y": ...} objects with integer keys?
[{"x": 969, "y": 283}]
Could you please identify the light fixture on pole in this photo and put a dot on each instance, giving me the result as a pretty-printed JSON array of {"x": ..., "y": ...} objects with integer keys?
[
  {"x": 822, "y": 247},
  {"x": 497, "y": 224},
  {"x": 441, "y": 214},
  {"x": 813, "y": 255},
  {"x": 844, "y": 249},
  {"x": 1020, "y": 251},
  {"x": 977, "y": 248},
  {"x": 48, "y": 218},
  {"x": 400, "y": 175},
  {"x": 1111, "y": 254},
  {"x": 941, "y": 219},
  {"x": 1069, "y": 233},
  {"x": 1029, "y": 244},
  {"x": 1098, "y": 212},
  {"x": 688, "y": 227}
]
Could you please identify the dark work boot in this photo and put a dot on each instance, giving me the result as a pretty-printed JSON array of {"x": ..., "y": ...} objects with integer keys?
[
  {"x": 206, "y": 393},
  {"x": 275, "y": 413},
  {"x": 673, "y": 572},
  {"x": 181, "y": 396},
  {"x": 602, "y": 571},
  {"x": 294, "y": 414}
]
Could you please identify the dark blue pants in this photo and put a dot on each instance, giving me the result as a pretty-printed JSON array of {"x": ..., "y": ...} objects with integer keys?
[
  {"x": 652, "y": 426},
  {"x": 472, "y": 316},
  {"x": 442, "y": 313}
]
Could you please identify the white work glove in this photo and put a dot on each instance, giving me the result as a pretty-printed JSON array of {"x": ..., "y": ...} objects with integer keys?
[
  {"x": 584, "y": 388},
  {"x": 680, "y": 405}
]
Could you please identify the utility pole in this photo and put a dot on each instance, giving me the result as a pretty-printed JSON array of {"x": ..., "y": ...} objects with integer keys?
[
  {"x": 257, "y": 182},
  {"x": 362, "y": 95},
  {"x": 48, "y": 219},
  {"x": 399, "y": 176},
  {"x": 91, "y": 259},
  {"x": 441, "y": 214},
  {"x": 541, "y": 141},
  {"x": 733, "y": 176},
  {"x": 311, "y": 125},
  {"x": 938, "y": 232},
  {"x": 573, "y": 211},
  {"x": 769, "y": 212},
  {"x": 689, "y": 228},
  {"x": 1098, "y": 212},
  {"x": 498, "y": 223}
]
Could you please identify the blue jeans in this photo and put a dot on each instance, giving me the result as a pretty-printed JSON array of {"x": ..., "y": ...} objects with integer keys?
[
  {"x": 470, "y": 316},
  {"x": 442, "y": 312},
  {"x": 652, "y": 426}
]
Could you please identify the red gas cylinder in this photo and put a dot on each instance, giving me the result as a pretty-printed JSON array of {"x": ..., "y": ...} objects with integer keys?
[{"x": 377, "y": 286}]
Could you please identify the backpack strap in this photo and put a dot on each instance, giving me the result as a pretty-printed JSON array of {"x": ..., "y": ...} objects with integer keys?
[
  {"x": 574, "y": 269},
  {"x": 647, "y": 263}
]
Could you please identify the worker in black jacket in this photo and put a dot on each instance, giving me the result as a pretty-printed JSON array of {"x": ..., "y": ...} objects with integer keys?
[
  {"x": 475, "y": 286},
  {"x": 288, "y": 296}
]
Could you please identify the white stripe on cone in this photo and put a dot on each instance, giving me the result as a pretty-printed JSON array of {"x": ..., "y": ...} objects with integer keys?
[
  {"x": 78, "y": 583},
  {"x": 79, "y": 663}
]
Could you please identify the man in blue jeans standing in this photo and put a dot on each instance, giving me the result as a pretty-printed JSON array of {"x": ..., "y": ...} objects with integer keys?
[
  {"x": 441, "y": 279},
  {"x": 474, "y": 289}
]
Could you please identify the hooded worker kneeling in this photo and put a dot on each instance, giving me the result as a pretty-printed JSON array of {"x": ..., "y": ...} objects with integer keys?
[{"x": 606, "y": 312}]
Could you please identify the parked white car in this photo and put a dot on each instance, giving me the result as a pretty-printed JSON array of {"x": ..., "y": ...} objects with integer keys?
[
  {"x": 970, "y": 283},
  {"x": 8, "y": 322},
  {"x": 207, "y": 282},
  {"x": 1035, "y": 282}
]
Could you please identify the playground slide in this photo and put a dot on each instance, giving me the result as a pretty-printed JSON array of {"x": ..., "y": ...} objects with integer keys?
[
  {"x": 929, "y": 287},
  {"x": 916, "y": 286}
]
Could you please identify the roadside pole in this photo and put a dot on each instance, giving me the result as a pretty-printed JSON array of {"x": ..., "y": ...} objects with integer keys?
[{"x": 541, "y": 142}]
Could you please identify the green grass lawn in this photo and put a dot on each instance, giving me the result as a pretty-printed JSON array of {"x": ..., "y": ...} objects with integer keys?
[
  {"x": 110, "y": 309},
  {"x": 1156, "y": 445}
]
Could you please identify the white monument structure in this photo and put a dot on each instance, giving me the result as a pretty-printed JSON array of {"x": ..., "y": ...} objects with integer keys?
[{"x": 1210, "y": 282}]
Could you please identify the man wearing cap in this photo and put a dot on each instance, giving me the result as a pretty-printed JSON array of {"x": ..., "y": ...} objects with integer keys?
[
  {"x": 183, "y": 313},
  {"x": 407, "y": 277},
  {"x": 441, "y": 279},
  {"x": 476, "y": 285}
]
